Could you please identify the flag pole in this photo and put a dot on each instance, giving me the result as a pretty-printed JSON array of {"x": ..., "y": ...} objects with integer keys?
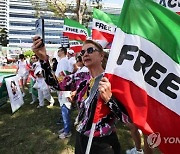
[
  {"x": 91, "y": 135},
  {"x": 90, "y": 138}
]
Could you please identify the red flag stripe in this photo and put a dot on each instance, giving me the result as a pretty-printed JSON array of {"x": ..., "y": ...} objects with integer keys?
[
  {"x": 147, "y": 116},
  {"x": 99, "y": 35},
  {"x": 76, "y": 48},
  {"x": 73, "y": 36}
]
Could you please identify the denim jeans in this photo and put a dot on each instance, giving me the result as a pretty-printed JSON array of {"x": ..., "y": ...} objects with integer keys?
[{"x": 66, "y": 118}]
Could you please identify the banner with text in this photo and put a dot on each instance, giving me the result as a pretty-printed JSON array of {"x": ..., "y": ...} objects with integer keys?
[
  {"x": 76, "y": 45},
  {"x": 104, "y": 27},
  {"x": 173, "y": 5},
  {"x": 74, "y": 30}
]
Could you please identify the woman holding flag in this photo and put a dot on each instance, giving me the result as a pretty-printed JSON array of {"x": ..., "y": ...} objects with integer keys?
[{"x": 105, "y": 138}]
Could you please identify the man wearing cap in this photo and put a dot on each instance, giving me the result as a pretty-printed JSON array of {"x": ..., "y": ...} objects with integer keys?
[{"x": 72, "y": 61}]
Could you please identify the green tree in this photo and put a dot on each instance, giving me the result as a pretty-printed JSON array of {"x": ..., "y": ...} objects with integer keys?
[
  {"x": 28, "y": 53},
  {"x": 3, "y": 37}
]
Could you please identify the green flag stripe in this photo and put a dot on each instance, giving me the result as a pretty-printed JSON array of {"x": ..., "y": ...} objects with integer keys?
[
  {"x": 108, "y": 18},
  {"x": 153, "y": 22}
]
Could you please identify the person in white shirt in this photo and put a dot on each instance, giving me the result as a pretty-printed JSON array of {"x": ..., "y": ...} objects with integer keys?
[
  {"x": 63, "y": 96},
  {"x": 80, "y": 65},
  {"x": 22, "y": 72},
  {"x": 33, "y": 91},
  {"x": 72, "y": 61},
  {"x": 63, "y": 63},
  {"x": 42, "y": 87}
]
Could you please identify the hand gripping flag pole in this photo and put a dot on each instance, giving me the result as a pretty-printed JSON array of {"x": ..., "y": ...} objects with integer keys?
[{"x": 100, "y": 111}]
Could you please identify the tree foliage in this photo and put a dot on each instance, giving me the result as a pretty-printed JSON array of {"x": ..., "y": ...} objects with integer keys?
[
  {"x": 28, "y": 53},
  {"x": 3, "y": 37},
  {"x": 77, "y": 10},
  {"x": 59, "y": 7}
]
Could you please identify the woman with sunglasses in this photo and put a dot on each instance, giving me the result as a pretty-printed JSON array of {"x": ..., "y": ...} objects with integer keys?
[{"x": 105, "y": 138}]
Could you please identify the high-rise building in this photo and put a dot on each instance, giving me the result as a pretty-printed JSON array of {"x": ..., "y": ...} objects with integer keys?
[
  {"x": 22, "y": 17},
  {"x": 4, "y": 14}
]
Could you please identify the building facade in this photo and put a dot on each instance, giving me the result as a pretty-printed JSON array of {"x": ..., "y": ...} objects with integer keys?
[
  {"x": 22, "y": 17},
  {"x": 4, "y": 14},
  {"x": 20, "y": 21}
]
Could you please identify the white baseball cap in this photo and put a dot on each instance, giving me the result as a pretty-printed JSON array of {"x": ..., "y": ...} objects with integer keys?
[{"x": 70, "y": 51}]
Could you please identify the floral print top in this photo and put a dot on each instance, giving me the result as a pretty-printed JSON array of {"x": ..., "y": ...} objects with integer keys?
[{"x": 86, "y": 98}]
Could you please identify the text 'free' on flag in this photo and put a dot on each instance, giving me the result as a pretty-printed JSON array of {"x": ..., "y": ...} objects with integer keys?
[
  {"x": 144, "y": 69},
  {"x": 76, "y": 45},
  {"x": 172, "y": 5},
  {"x": 74, "y": 30},
  {"x": 103, "y": 27}
]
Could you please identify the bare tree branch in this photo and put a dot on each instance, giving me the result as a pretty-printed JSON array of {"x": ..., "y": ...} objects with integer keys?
[{"x": 77, "y": 10}]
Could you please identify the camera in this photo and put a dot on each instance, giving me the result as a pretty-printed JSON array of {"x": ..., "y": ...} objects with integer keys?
[{"x": 39, "y": 29}]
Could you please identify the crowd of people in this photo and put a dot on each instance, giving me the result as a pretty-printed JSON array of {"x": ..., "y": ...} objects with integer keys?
[{"x": 78, "y": 79}]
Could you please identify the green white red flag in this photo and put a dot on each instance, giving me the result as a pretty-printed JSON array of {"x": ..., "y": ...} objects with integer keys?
[
  {"x": 74, "y": 30},
  {"x": 144, "y": 70},
  {"x": 173, "y": 5},
  {"x": 104, "y": 26},
  {"x": 76, "y": 45}
]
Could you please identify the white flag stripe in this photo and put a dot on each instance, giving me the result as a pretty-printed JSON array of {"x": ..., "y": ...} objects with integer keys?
[
  {"x": 74, "y": 42},
  {"x": 126, "y": 70},
  {"x": 108, "y": 26},
  {"x": 79, "y": 30},
  {"x": 175, "y": 5}
]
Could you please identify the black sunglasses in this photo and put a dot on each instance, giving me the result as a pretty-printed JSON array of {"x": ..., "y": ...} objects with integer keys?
[{"x": 89, "y": 50}]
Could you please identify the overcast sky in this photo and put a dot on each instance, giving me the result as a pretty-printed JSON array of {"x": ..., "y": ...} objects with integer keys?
[{"x": 119, "y": 2}]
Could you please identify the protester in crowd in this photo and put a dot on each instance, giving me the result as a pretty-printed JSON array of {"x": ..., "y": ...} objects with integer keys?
[
  {"x": 23, "y": 72},
  {"x": 42, "y": 87},
  {"x": 83, "y": 72},
  {"x": 72, "y": 61},
  {"x": 63, "y": 63},
  {"x": 54, "y": 64},
  {"x": 147, "y": 149},
  {"x": 80, "y": 65},
  {"x": 65, "y": 105},
  {"x": 105, "y": 137},
  {"x": 137, "y": 140},
  {"x": 33, "y": 91}
]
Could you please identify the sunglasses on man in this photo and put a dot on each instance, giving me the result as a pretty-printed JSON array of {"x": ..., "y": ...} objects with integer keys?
[{"x": 89, "y": 50}]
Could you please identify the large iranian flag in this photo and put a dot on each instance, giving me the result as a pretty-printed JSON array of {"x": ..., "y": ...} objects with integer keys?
[
  {"x": 74, "y": 30},
  {"x": 144, "y": 71},
  {"x": 103, "y": 27},
  {"x": 173, "y": 5}
]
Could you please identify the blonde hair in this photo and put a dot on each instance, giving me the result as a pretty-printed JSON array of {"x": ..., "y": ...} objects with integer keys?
[
  {"x": 100, "y": 49},
  {"x": 105, "y": 58},
  {"x": 97, "y": 45}
]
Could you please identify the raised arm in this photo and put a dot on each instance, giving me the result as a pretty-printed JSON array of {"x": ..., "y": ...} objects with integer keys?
[{"x": 39, "y": 48}]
